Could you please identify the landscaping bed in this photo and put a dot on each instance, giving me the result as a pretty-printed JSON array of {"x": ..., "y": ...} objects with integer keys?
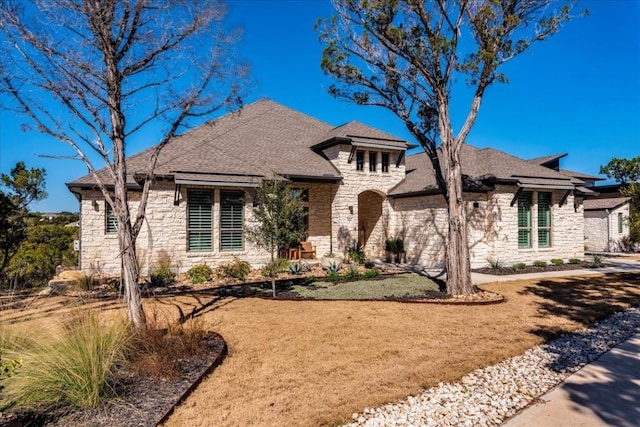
[{"x": 503, "y": 271}]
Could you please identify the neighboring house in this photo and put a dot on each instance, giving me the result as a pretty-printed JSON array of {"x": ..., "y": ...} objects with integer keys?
[
  {"x": 606, "y": 217},
  {"x": 357, "y": 185}
]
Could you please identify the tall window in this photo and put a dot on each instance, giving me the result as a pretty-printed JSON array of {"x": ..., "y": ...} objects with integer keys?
[
  {"x": 373, "y": 161},
  {"x": 544, "y": 220},
  {"x": 385, "y": 162},
  {"x": 199, "y": 220},
  {"x": 231, "y": 220},
  {"x": 111, "y": 222},
  {"x": 619, "y": 222},
  {"x": 524, "y": 220},
  {"x": 359, "y": 160}
]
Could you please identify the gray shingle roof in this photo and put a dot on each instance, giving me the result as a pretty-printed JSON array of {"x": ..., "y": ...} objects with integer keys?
[
  {"x": 260, "y": 139},
  {"x": 478, "y": 162},
  {"x": 604, "y": 203},
  {"x": 359, "y": 134}
]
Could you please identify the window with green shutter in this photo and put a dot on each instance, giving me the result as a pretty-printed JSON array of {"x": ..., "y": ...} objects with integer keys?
[
  {"x": 199, "y": 220},
  {"x": 111, "y": 222},
  {"x": 620, "y": 222},
  {"x": 231, "y": 220},
  {"x": 544, "y": 220},
  {"x": 524, "y": 220}
]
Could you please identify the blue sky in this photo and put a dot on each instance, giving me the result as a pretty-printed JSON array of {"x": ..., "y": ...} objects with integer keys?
[{"x": 577, "y": 92}]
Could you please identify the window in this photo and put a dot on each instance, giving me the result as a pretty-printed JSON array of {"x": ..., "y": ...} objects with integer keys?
[
  {"x": 544, "y": 220},
  {"x": 619, "y": 222},
  {"x": 359, "y": 160},
  {"x": 301, "y": 193},
  {"x": 524, "y": 220},
  {"x": 199, "y": 220},
  {"x": 373, "y": 161},
  {"x": 111, "y": 221},
  {"x": 385, "y": 162},
  {"x": 231, "y": 220}
]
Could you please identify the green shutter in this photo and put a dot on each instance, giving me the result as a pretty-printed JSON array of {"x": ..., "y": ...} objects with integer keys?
[
  {"x": 231, "y": 220},
  {"x": 544, "y": 220},
  {"x": 199, "y": 220},
  {"x": 524, "y": 220},
  {"x": 111, "y": 221}
]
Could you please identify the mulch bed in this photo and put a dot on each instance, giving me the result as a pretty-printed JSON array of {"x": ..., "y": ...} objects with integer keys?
[
  {"x": 532, "y": 269},
  {"x": 143, "y": 401}
]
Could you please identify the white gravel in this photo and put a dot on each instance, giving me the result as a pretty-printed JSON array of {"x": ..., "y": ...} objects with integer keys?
[{"x": 488, "y": 396}]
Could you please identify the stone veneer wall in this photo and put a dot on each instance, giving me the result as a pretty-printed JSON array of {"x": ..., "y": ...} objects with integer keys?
[
  {"x": 493, "y": 228},
  {"x": 601, "y": 228},
  {"x": 165, "y": 228},
  {"x": 345, "y": 201}
]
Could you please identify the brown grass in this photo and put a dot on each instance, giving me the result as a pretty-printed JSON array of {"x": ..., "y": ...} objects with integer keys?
[{"x": 309, "y": 363}]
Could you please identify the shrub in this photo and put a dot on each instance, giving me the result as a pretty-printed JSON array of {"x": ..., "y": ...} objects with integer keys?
[
  {"x": 575, "y": 261},
  {"x": 369, "y": 264},
  {"x": 374, "y": 272},
  {"x": 272, "y": 269},
  {"x": 390, "y": 245},
  {"x": 199, "y": 273},
  {"x": 162, "y": 273},
  {"x": 310, "y": 279},
  {"x": 557, "y": 261},
  {"x": 353, "y": 272},
  {"x": 519, "y": 266},
  {"x": 75, "y": 368},
  {"x": 356, "y": 254},
  {"x": 495, "y": 263},
  {"x": 597, "y": 259},
  {"x": 237, "y": 269},
  {"x": 540, "y": 263}
]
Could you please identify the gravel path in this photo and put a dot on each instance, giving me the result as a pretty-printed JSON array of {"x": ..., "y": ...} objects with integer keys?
[{"x": 488, "y": 396}]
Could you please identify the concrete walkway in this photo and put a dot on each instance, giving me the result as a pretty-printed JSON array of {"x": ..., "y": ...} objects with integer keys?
[{"x": 603, "y": 393}]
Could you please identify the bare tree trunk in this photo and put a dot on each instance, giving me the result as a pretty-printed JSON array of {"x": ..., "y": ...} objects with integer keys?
[
  {"x": 129, "y": 276},
  {"x": 457, "y": 253}
]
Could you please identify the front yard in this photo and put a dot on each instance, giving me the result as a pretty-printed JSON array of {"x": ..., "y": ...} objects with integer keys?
[{"x": 309, "y": 363}]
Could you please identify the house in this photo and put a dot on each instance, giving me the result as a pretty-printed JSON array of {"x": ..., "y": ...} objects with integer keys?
[
  {"x": 358, "y": 185},
  {"x": 606, "y": 216}
]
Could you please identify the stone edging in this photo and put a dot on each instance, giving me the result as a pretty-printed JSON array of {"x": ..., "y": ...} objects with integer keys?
[{"x": 214, "y": 364}]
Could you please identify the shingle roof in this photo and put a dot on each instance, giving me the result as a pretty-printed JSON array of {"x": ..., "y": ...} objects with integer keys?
[
  {"x": 359, "y": 134},
  {"x": 547, "y": 159},
  {"x": 260, "y": 139},
  {"x": 604, "y": 203},
  {"x": 478, "y": 162},
  {"x": 580, "y": 175}
]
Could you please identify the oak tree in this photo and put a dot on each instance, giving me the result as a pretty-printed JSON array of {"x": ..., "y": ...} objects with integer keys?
[{"x": 407, "y": 56}]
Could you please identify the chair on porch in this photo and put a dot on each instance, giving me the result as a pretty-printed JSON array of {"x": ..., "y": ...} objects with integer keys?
[{"x": 307, "y": 250}]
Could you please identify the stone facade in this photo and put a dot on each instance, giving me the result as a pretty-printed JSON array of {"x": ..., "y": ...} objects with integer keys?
[
  {"x": 353, "y": 211},
  {"x": 492, "y": 225},
  {"x": 603, "y": 229},
  {"x": 165, "y": 229},
  {"x": 354, "y": 217}
]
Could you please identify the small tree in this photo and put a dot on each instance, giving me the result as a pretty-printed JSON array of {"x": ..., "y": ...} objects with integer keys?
[
  {"x": 23, "y": 186},
  {"x": 278, "y": 218},
  {"x": 627, "y": 173},
  {"x": 407, "y": 55}
]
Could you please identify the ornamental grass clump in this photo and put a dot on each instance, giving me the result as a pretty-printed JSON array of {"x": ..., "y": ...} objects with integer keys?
[{"x": 71, "y": 367}]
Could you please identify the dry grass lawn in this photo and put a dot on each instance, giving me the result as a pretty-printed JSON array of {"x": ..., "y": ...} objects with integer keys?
[{"x": 310, "y": 363}]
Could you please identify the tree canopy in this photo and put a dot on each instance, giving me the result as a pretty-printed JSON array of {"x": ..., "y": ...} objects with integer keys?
[{"x": 407, "y": 56}]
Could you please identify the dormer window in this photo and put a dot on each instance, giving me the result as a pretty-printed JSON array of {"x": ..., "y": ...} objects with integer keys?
[
  {"x": 359, "y": 160},
  {"x": 385, "y": 162},
  {"x": 373, "y": 161}
]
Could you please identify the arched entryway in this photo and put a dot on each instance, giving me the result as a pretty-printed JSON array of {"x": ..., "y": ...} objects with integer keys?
[{"x": 370, "y": 227}]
